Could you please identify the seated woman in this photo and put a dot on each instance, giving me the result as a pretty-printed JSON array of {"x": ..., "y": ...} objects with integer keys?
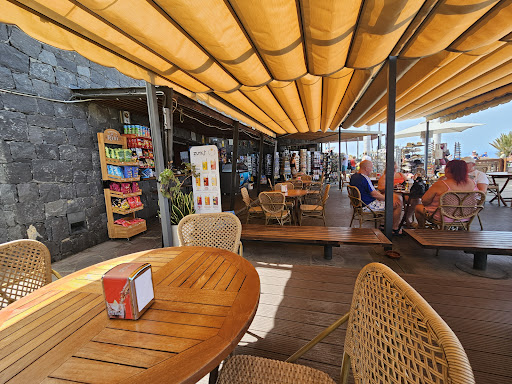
[{"x": 456, "y": 179}]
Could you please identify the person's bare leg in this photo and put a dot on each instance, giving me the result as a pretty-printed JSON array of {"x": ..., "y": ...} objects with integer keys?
[
  {"x": 412, "y": 208},
  {"x": 420, "y": 215},
  {"x": 397, "y": 210}
]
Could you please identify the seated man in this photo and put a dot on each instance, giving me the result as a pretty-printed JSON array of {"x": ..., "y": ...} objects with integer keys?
[
  {"x": 373, "y": 198},
  {"x": 480, "y": 178}
]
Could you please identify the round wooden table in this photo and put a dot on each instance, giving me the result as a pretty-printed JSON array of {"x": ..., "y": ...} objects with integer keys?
[
  {"x": 205, "y": 300},
  {"x": 501, "y": 175}
]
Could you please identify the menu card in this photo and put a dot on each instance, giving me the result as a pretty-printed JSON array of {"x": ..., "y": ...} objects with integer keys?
[{"x": 206, "y": 185}]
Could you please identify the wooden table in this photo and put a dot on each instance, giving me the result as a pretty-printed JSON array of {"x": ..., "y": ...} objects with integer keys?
[
  {"x": 479, "y": 243},
  {"x": 327, "y": 236},
  {"x": 206, "y": 299},
  {"x": 296, "y": 194},
  {"x": 500, "y": 175}
]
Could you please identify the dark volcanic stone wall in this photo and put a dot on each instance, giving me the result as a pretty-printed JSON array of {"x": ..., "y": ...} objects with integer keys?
[{"x": 49, "y": 162}]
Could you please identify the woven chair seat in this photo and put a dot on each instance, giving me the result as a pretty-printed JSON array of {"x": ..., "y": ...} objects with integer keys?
[
  {"x": 256, "y": 210},
  {"x": 279, "y": 215},
  {"x": 311, "y": 207},
  {"x": 257, "y": 370}
]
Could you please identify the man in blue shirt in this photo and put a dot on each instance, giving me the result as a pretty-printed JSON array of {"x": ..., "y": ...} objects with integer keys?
[{"x": 373, "y": 198}]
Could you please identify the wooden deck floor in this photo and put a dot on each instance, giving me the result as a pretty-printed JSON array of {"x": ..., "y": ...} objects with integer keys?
[{"x": 298, "y": 301}]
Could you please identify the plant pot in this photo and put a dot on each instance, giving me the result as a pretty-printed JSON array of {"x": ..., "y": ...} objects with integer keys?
[{"x": 175, "y": 239}]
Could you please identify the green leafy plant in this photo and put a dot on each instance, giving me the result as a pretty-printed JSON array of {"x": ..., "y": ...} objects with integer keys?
[
  {"x": 503, "y": 144},
  {"x": 182, "y": 204}
]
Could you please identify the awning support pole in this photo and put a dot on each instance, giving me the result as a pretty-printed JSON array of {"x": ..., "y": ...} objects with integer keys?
[
  {"x": 260, "y": 163},
  {"x": 390, "y": 146},
  {"x": 168, "y": 126},
  {"x": 426, "y": 147},
  {"x": 156, "y": 135},
  {"x": 235, "y": 184},
  {"x": 339, "y": 158}
]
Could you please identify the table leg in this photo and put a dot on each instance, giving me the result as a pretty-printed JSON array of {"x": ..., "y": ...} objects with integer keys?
[
  {"x": 406, "y": 211},
  {"x": 328, "y": 252},
  {"x": 480, "y": 261},
  {"x": 479, "y": 267},
  {"x": 214, "y": 374},
  {"x": 501, "y": 191}
]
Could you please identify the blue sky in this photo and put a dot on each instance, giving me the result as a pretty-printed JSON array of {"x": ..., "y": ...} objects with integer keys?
[{"x": 497, "y": 120}]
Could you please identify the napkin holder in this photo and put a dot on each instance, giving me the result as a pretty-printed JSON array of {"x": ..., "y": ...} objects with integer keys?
[
  {"x": 284, "y": 188},
  {"x": 128, "y": 290}
]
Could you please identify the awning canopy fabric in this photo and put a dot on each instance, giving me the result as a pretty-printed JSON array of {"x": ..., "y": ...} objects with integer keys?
[
  {"x": 332, "y": 136},
  {"x": 435, "y": 126},
  {"x": 286, "y": 66}
]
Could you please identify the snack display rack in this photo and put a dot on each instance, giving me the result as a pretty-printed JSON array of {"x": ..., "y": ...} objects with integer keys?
[
  {"x": 139, "y": 140},
  {"x": 113, "y": 139}
]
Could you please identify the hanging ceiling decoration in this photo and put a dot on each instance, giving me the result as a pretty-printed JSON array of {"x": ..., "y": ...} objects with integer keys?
[{"x": 287, "y": 66}]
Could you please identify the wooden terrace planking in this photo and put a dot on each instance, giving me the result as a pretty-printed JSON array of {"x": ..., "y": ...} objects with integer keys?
[{"x": 297, "y": 302}]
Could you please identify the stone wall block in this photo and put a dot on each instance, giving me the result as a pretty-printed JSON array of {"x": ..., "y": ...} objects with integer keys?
[
  {"x": 19, "y": 103},
  {"x": 7, "y": 219},
  {"x": 41, "y": 121},
  {"x": 23, "y": 82},
  {"x": 35, "y": 135},
  {"x": 73, "y": 138},
  {"x": 83, "y": 70},
  {"x": 42, "y": 71},
  {"x": 86, "y": 141},
  {"x": 47, "y": 151},
  {"x": 81, "y": 126},
  {"x": 48, "y": 57},
  {"x": 5, "y": 152},
  {"x": 63, "y": 122},
  {"x": 67, "y": 191},
  {"x": 6, "y": 79},
  {"x": 83, "y": 82},
  {"x": 67, "y": 152},
  {"x": 15, "y": 173},
  {"x": 54, "y": 136},
  {"x": 77, "y": 110},
  {"x": 46, "y": 107},
  {"x": 11, "y": 58},
  {"x": 13, "y": 126},
  {"x": 27, "y": 192},
  {"x": 49, "y": 192},
  {"x": 42, "y": 88},
  {"x": 65, "y": 78},
  {"x": 22, "y": 151},
  {"x": 52, "y": 171},
  {"x": 60, "y": 93},
  {"x": 56, "y": 208},
  {"x": 79, "y": 176},
  {"x": 29, "y": 212},
  {"x": 17, "y": 232},
  {"x": 8, "y": 194},
  {"x": 57, "y": 228},
  {"x": 4, "y": 35},
  {"x": 68, "y": 65},
  {"x": 25, "y": 43},
  {"x": 82, "y": 190}
]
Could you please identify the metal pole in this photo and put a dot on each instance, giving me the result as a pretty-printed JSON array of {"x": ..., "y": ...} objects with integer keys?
[
  {"x": 339, "y": 158},
  {"x": 235, "y": 184},
  {"x": 426, "y": 147},
  {"x": 390, "y": 145},
  {"x": 260, "y": 163},
  {"x": 156, "y": 135},
  {"x": 357, "y": 148},
  {"x": 378, "y": 139},
  {"x": 168, "y": 126}
]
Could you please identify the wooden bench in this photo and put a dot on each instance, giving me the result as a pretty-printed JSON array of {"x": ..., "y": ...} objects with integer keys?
[
  {"x": 328, "y": 237},
  {"x": 479, "y": 243}
]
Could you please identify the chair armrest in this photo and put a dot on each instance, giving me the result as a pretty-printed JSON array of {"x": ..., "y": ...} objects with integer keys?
[
  {"x": 241, "y": 250},
  {"x": 322, "y": 335},
  {"x": 56, "y": 274}
]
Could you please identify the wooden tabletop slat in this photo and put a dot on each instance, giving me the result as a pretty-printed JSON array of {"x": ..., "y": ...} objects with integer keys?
[
  {"x": 184, "y": 318},
  {"x": 145, "y": 341},
  {"x": 119, "y": 354},
  {"x": 92, "y": 371},
  {"x": 62, "y": 333},
  {"x": 203, "y": 279},
  {"x": 214, "y": 280}
]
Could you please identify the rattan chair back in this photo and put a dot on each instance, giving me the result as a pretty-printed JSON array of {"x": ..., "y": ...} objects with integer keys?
[
  {"x": 218, "y": 230},
  {"x": 394, "y": 335},
  {"x": 325, "y": 195},
  {"x": 288, "y": 184},
  {"x": 306, "y": 178},
  {"x": 272, "y": 202},
  {"x": 458, "y": 209},
  {"x": 245, "y": 197},
  {"x": 357, "y": 208},
  {"x": 25, "y": 267},
  {"x": 355, "y": 197}
]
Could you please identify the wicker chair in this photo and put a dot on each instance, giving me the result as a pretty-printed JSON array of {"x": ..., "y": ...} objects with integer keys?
[
  {"x": 25, "y": 267},
  {"x": 494, "y": 188},
  {"x": 297, "y": 184},
  {"x": 358, "y": 208},
  {"x": 305, "y": 178},
  {"x": 275, "y": 208},
  {"x": 393, "y": 336},
  {"x": 315, "y": 210},
  {"x": 217, "y": 230},
  {"x": 456, "y": 210},
  {"x": 252, "y": 206},
  {"x": 288, "y": 184}
]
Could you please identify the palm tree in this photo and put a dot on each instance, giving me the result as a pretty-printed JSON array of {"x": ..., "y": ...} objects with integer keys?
[{"x": 503, "y": 144}]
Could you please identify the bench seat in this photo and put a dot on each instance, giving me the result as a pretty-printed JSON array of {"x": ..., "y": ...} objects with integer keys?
[{"x": 328, "y": 237}]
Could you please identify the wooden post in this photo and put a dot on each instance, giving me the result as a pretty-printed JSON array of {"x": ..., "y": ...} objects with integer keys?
[
  {"x": 426, "y": 148},
  {"x": 390, "y": 146},
  {"x": 235, "y": 184},
  {"x": 339, "y": 157},
  {"x": 156, "y": 135},
  {"x": 260, "y": 163}
]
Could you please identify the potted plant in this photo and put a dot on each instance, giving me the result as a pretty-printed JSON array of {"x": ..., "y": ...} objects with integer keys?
[{"x": 181, "y": 204}]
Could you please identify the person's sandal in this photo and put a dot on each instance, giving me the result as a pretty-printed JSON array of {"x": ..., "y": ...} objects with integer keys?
[{"x": 397, "y": 232}]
